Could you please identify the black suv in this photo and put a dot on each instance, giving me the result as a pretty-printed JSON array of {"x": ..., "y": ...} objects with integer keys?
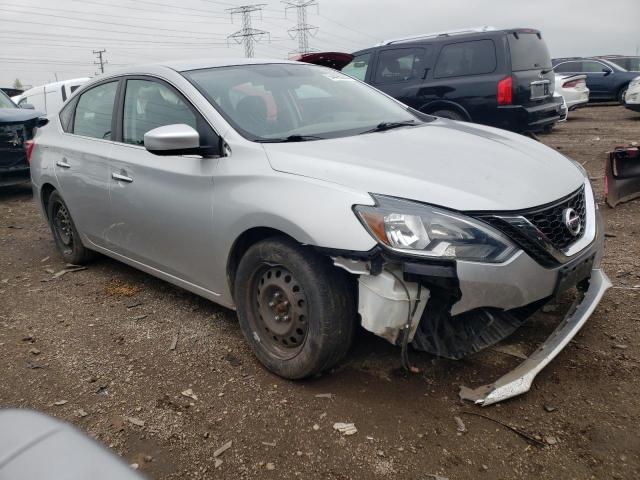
[
  {"x": 16, "y": 130},
  {"x": 502, "y": 78},
  {"x": 606, "y": 80}
]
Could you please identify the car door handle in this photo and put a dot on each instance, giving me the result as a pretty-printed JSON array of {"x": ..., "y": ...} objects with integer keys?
[
  {"x": 63, "y": 163},
  {"x": 121, "y": 178}
]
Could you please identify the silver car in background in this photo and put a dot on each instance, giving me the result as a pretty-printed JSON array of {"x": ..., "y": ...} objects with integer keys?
[{"x": 306, "y": 199}]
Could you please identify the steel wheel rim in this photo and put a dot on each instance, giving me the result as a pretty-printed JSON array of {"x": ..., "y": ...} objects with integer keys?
[
  {"x": 280, "y": 311},
  {"x": 63, "y": 227}
]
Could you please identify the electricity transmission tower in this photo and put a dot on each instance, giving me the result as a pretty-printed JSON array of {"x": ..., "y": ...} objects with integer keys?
[
  {"x": 101, "y": 60},
  {"x": 302, "y": 31},
  {"x": 247, "y": 35}
]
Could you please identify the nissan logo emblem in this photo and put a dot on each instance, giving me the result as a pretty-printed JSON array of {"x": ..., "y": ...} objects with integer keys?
[{"x": 572, "y": 221}]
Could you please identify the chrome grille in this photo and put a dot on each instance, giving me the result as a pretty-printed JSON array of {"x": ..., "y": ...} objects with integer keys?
[{"x": 541, "y": 231}]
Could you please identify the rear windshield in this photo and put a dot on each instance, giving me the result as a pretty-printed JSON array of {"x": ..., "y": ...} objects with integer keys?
[
  {"x": 5, "y": 102},
  {"x": 528, "y": 52}
]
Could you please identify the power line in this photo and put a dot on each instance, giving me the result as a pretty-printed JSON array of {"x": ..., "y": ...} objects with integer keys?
[
  {"x": 101, "y": 61},
  {"x": 302, "y": 31},
  {"x": 247, "y": 35}
]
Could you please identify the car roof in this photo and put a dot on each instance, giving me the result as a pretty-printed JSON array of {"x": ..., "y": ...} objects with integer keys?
[{"x": 198, "y": 64}]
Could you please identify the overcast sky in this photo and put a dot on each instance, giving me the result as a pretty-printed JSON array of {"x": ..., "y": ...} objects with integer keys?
[{"x": 44, "y": 38}]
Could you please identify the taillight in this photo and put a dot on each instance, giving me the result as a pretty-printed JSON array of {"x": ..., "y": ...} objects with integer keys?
[
  {"x": 574, "y": 84},
  {"x": 28, "y": 147},
  {"x": 505, "y": 91}
]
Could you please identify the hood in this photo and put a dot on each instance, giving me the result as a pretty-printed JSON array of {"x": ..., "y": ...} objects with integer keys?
[
  {"x": 455, "y": 165},
  {"x": 17, "y": 115}
]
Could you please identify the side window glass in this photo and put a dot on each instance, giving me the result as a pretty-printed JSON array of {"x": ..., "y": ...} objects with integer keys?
[
  {"x": 94, "y": 111},
  {"x": 569, "y": 67},
  {"x": 593, "y": 67},
  {"x": 148, "y": 105},
  {"x": 358, "y": 67},
  {"x": 466, "y": 58},
  {"x": 399, "y": 65},
  {"x": 65, "y": 116}
]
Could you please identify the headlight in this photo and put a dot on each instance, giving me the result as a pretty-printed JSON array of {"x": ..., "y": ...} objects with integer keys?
[
  {"x": 634, "y": 82},
  {"x": 418, "y": 229}
]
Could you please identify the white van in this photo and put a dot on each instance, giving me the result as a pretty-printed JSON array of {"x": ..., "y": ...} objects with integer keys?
[{"x": 50, "y": 97}]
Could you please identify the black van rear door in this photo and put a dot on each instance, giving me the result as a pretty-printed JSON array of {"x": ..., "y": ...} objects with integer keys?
[{"x": 533, "y": 77}]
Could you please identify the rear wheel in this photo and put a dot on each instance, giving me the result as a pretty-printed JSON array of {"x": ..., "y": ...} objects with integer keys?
[
  {"x": 296, "y": 310},
  {"x": 65, "y": 234},
  {"x": 450, "y": 114},
  {"x": 621, "y": 94}
]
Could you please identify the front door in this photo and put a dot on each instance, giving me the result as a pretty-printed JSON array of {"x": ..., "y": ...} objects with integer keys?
[
  {"x": 400, "y": 73},
  {"x": 161, "y": 205}
]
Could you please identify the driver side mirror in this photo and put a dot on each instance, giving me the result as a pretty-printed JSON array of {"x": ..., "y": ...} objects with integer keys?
[
  {"x": 177, "y": 139},
  {"x": 607, "y": 71}
]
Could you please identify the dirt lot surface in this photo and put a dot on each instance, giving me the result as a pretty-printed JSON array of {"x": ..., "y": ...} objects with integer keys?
[{"x": 101, "y": 339}]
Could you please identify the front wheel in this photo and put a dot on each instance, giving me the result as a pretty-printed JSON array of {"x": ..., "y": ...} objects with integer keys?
[{"x": 296, "y": 310}]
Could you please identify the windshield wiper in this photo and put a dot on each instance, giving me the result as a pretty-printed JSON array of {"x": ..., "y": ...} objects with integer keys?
[
  {"x": 292, "y": 138},
  {"x": 381, "y": 127}
]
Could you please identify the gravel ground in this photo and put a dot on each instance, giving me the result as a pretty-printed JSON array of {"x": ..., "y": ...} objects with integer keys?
[{"x": 101, "y": 339}]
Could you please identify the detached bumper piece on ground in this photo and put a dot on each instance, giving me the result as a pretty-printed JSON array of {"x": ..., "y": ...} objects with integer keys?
[
  {"x": 519, "y": 380},
  {"x": 622, "y": 175}
]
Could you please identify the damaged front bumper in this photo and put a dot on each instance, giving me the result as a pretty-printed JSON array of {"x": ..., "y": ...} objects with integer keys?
[
  {"x": 519, "y": 380},
  {"x": 456, "y": 308}
]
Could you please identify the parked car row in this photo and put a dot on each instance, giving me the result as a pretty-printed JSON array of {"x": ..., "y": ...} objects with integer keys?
[{"x": 605, "y": 79}]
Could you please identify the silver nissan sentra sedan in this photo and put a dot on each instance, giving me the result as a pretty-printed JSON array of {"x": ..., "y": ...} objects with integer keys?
[{"x": 309, "y": 201}]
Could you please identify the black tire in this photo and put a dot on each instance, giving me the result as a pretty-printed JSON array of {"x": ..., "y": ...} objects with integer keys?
[
  {"x": 65, "y": 234},
  {"x": 621, "y": 94},
  {"x": 450, "y": 114},
  {"x": 320, "y": 308}
]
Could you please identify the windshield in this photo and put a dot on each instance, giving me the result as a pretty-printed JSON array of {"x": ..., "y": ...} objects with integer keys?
[
  {"x": 5, "y": 102},
  {"x": 271, "y": 102},
  {"x": 528, "y": 52}
]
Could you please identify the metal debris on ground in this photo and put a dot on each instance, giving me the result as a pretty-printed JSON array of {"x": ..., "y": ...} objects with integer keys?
[
  {"x": 345, "y": 428},
  {"x": 524, "y": 435},
  {"x": 174, "y": 343},
  {"x": 461, "y": 426},
  {"x": 60, "y": 402},
  {"x": 223, "y": 449},
  {"x": 325, "y": 395},
  {"x": 189, "y": 393},
  {"x": 269, "y": 444},
  {"x": 69, "y": 269}
]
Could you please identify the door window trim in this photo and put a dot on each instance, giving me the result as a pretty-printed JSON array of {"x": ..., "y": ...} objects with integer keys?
[
  {"x": 374, "y": 71},
  {"x": 201, "y": 119},
  {"x": 73, "y": 104}
]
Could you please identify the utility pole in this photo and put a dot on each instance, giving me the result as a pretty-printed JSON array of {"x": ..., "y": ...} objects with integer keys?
[
  {"x": 247, "y": 35},
  {"x": 302, "y": 31},
  {"x": 101, "y": 60}
]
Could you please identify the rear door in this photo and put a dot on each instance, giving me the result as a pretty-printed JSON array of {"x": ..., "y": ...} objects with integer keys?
[
  {"x": 161, "y": 205},
  {"x": 600, "y": 79},
  {"x": 466, "y": 73},
  {"x": 401, "y": 72},
  {"x": 532, "y": 72},
  {"x": 81, "y": 162}
]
